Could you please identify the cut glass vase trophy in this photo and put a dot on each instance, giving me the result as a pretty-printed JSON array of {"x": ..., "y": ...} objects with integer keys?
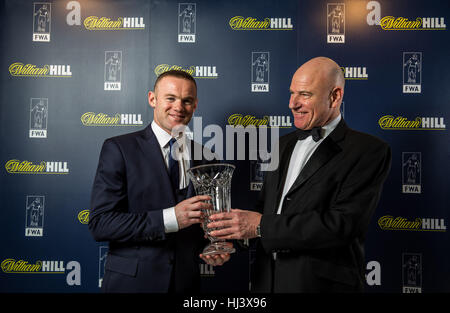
[{"x": 214, "y": 180}]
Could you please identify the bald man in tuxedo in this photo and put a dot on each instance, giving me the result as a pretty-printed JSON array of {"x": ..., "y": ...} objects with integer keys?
[{"x": 313, "y": 212}]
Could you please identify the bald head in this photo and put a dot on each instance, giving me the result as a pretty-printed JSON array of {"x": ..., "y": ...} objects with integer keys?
[
  {"x": 317, "y": 90},
  {"x": 325, "y": 69}
]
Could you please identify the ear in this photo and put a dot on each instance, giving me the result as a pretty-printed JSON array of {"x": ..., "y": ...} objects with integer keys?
[
  {"x": 152, "y": 99},
  {"x": 336, "y": 97}
]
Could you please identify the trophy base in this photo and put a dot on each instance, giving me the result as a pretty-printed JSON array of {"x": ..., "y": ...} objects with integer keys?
[{"x": 220, "y": 247}]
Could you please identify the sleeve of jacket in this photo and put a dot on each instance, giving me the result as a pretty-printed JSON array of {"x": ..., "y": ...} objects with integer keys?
[
  {"x": 347, "y": 218},
  {"x": 110, "y": 217}
]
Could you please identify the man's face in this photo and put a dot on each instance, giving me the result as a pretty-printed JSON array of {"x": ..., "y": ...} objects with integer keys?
[
  {"x": 174, "y": 101},
  {"x": 310, "y": 100}
]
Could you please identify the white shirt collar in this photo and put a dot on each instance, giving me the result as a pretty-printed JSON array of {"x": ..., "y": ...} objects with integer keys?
[
  {"x": 327, "y": 129},
  {"x": 161, "y": 135}
]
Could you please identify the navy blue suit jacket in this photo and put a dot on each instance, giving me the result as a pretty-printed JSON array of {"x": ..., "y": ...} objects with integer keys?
[{"x": 130, "y": 191}]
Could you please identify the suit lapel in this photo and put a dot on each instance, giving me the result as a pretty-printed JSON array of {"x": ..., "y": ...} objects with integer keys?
[
  {"x": 286, "y": 153},
  {"x": 323, "y": 154}
]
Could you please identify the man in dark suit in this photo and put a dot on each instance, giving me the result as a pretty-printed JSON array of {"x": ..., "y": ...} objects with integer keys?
[
  {"x": 142, "y": 201},
  {"x": 314, "y": 210}
]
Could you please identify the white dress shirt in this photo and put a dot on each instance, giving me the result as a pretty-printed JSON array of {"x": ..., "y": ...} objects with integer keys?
[
  {"x": 169, "y": 217},
  {"x": 302, "y": 152}
]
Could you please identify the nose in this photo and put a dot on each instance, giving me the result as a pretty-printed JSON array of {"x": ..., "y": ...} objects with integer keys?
[
  {"x": 177, "y": 105},
  {"x": 293, "y": 102}
]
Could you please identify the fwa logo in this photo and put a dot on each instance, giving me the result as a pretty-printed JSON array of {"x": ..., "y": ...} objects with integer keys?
[
  {"x": 34, "y": 216},
  {"x": 336, "y": 23},
  {"x": 42, "y": 13},
  {"x": 412, "y": 72},
  {"x": 113, "y": 70},
  {"x": 256, "y": 174},
  {"x": 412, "y": 272},
  {"x": 187, "y": 22},
  {"x": 38, "y": 117},
  {"x": 411, "y": 172},
  {"x": 260, "y": 71}
]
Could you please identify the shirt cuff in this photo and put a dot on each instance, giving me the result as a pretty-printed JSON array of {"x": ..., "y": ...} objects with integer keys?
[{"x": 170, "y": 220}]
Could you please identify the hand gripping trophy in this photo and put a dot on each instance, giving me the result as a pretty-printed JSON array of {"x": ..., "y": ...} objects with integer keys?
[{"x": 214, "y": 180}]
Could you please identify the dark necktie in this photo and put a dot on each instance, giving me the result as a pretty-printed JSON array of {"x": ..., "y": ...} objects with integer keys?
[
  {"x": 174, "y": 171},
  {"x": 315, "y": 132}
]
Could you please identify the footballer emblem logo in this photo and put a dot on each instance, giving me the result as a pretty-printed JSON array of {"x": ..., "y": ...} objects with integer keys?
[
  {"x": 34, "y": 212},
  {"x": 38, "y": 117},
  {"x": 41, "y": 21},
  {"x": 260, "y": 71},
  {"x": 335, "y": 23},
  {"x": 411, "y": 172},
  {"x": 412, "y": 272},
  {"x": 187, "y": 22},
  {"x": 113, "y": 70},
  {"x": 412, "y": 72}
]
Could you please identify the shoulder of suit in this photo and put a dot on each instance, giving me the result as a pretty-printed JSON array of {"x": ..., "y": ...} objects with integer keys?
[
  {"x": 365, "y": 139},
  {"x": 126, "y": 137},
  {"x": 126, "y": 142}
]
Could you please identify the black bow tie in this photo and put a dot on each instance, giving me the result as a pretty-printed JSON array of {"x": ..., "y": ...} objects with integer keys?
[{"x": 316, "y": 133}]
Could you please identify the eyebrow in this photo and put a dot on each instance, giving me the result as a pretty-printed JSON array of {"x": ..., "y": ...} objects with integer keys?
[
  {"x": 300, "y": 92},
  {"x": 184, "y": 99}
]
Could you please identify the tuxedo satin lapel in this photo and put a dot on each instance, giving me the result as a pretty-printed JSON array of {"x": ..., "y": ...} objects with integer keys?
[
  {"x": 286, "y": 153},
  {"x": 323, "y": 154},
  {"x": 152, "y": 151}
]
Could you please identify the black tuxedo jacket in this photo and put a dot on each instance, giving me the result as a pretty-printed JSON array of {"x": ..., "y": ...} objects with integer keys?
[
  {"x": 319, "y": 235},
  {"x": 130, "y": 190}
]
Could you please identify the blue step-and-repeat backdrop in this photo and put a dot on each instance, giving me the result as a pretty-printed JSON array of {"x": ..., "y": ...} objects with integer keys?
[{"x": 74, "y": 73}]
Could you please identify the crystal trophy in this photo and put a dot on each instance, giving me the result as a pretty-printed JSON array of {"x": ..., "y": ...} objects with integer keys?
[{"x": 214, "y": 180}]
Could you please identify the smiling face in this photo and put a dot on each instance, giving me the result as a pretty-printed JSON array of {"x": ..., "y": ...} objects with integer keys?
[
  {"x": 174, "y": 101},
  {"x": 316, "y": 93}
]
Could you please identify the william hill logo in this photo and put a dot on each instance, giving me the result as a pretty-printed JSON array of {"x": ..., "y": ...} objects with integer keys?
[
  {"x": 195, "y": 71},
  {"x": 45, "y": 167},
  {"x": 419, "y": 123},
  {"x": 83, "y": 217},
  {"x": 355, "y": 73},
  {"x": 102, "y": 119},
  {"x": 420, "y": 23},
  {"x": 250, "y": 23},
  {"x": 72, "y": 269},
  {"x": 30, "y": 70},
  {"x": 250, "y": 120},
  {"x": 388, "y": 222},
  {"x": 122, "y": 23}
]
